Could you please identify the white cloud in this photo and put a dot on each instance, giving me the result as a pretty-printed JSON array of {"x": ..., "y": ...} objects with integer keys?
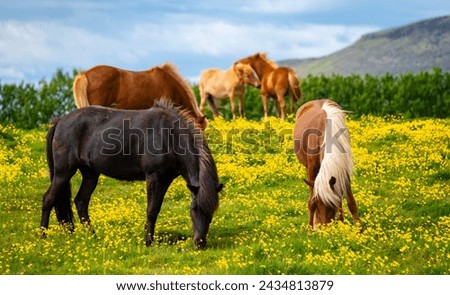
[
  {"x": 289, "y": 6},
  {"x": 62, "y": 4},
  {"x": 27, "y": 48},
  {"x": 218, "y": 38},
  {"x": 22, "y": 42},
  {"x": 11, "y": 73}
]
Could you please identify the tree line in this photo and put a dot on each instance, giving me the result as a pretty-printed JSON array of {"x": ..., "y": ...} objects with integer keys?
[{"x": 426, "y": 94}]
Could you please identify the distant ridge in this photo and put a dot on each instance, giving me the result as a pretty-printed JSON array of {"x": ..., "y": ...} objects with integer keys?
[{"x": 416, "y": 47}]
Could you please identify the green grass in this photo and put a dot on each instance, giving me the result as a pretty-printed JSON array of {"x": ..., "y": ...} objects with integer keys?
[{"x": 400, "y": 184}]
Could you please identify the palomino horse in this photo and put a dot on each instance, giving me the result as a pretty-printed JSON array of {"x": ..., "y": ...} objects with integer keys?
[
  {"x": 156, "y": 145},
  {"x": 276, "y": 82},
  {"x": 122, "y": 89},
  {"x": 216, "y": 84},
  {"x": 322, "y": 144}
]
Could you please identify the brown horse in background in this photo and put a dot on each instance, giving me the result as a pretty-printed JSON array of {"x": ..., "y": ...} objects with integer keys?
[
  {"x": 322, "y": 144},
  {"x": 122, "y": 89},
  {"x": 276, "y": 82},
  {"x": 217, "y": 84}
]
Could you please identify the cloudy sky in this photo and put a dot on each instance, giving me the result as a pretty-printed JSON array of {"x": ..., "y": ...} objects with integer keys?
[{"x": 37, "y": 37}]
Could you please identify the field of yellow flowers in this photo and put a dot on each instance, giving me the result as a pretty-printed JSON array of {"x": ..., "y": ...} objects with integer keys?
[{"x": 401, "y": 184}]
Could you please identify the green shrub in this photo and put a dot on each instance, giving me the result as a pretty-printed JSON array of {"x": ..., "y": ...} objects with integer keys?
[
  {"x": 27, "y": 105},
  {"x": 426, "y": 94}
]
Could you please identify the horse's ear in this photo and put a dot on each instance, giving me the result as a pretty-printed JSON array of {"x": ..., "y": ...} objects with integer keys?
[
  {"x": 219, "y": 188},
  {"x": 308, "y": 182},
  {"x": 332, "y": 181},
  {"x": 203, "y": 121},
  {"x": 193, "y": 189}
]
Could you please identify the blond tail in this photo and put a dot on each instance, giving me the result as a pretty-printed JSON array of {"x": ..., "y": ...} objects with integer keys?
[{"x": 80, "y": 91}]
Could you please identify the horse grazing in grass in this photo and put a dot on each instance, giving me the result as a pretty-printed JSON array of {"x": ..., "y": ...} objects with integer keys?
[
  {"x": 276, "y": 82},
  {"x": 156, "y": 145},
  {"x": 122, "y": 89},
  {"x": 217, "y": 84},
  {"x": 322, "y": 144}
]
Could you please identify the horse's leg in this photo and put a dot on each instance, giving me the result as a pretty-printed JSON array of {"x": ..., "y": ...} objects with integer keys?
[
  {"x": 203, "y": 97},
  {"x": 58, "y": 195},
  {"x": 47, "y": 205},
  {"x": 280, "y": 99},
  {"x": 264, "y": 98},
  {"x": 312, "y": 169},
  {"x": 351, "y": 203},
  {"x": 312, "y": 208},
  {"x": 156, "y": 189},
  {"x": 340, "y": 213},
  {"x": 241, "y": 105},
  {"x": 212, "y": 105},
  {"x": 275, "y": 106},
  {"x": 232, "y": 103},
  {"x": 292, "y": 106},
  {"x": 88, "y": 184}
]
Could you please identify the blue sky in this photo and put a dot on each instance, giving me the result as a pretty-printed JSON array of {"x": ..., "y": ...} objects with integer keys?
[{"x": 37, "y": 37}]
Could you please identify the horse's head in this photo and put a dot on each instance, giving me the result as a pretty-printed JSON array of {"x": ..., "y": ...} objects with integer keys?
[
  {"x": 319, "y": 211},
  {"x": 202, "y": 213},
  {"x": 246, "y": 74},
  {"x": 205, "y": 198},
  {"x": 253, "y": 58},
  {"x": 259, "y": 62}
]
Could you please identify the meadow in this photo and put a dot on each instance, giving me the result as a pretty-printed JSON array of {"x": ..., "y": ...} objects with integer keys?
[{"x": 401, "y": 184}]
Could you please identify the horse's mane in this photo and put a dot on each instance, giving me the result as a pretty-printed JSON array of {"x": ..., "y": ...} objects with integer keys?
[
  {"x": 173, "y": 72},
  {"x": 207, "y": 197},
  {"x": 178, "y": 111},
  {"x": 263, "y": 56},
  {"x": 336, "y": 163}
]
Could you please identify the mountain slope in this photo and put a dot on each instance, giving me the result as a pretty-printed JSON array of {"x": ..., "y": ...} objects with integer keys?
[{"x": 412, "y": 48}]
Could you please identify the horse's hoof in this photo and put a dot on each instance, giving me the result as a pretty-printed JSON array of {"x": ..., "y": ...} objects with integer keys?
[
  {"x": 200, "y": 244},
  {"x": 148, "y": 241},
  {"x": 361, "y": 226},
  {"x": 43, "y": 233},
  {"x": 68, "y": 227}
]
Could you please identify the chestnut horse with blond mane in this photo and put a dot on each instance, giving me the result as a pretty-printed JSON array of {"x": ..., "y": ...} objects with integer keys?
[
  {"x": 276, "y": 82},
  {"x": 322, "y": 144},
  {"x": 122, "y": 89},
  {"x": 218, "y": 84}
]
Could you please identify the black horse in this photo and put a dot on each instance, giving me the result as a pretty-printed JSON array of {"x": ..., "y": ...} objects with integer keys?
[{"x": 156, "y": 145}]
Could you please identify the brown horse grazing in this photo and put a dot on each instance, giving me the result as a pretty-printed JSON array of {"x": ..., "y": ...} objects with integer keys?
[
  {"x": 276, "y": 82},
  {"x": 322, "y": 144},
  {"x": 122, "y": 89},
  {"x": 217, "y": 84}
]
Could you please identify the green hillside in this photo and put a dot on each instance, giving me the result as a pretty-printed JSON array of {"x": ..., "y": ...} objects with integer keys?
[{"x": 417, "y": 47}]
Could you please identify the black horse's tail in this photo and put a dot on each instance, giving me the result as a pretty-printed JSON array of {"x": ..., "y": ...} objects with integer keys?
[
  {"x": 50, "y": 135},
  {"x": 63, "y": 205}
]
